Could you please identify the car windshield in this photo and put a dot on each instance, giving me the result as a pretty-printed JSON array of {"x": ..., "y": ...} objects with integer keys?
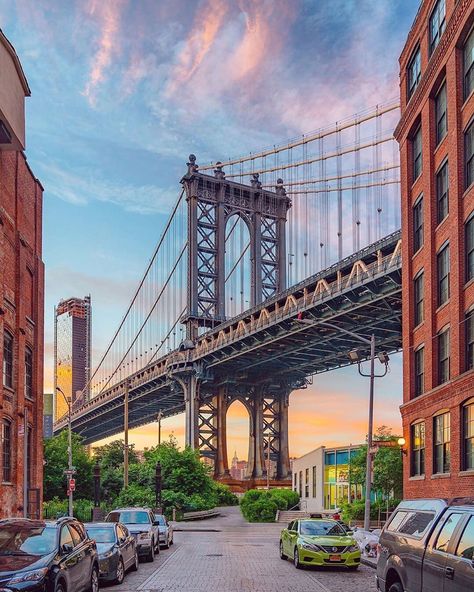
[
  {"x": 102, "y": 534},
  {"x": 161, "y": 520},
  {"x": 321, "y": 528},
  {"x": 27, "y": 540},
  {"x": 129, "y": 517}
]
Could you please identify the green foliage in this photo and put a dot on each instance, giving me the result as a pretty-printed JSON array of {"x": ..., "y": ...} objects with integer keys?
[
  {"x": 56, "y": 457},
  {"x": 56, "y": 508},
  {"x": 260, "y": 505},
  {"x": 135, "y": 495},
  {"x": 388, "y": 471},
  {"x": 356, "y": 509},
  {"x": 224, "y": 495}
]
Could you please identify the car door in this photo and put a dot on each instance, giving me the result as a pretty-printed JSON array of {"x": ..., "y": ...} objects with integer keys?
[
  {"x": 70, "y": 559},
  {"x": 285, "y": 538},
  {"x": 437, "y": 552},
  {"x": 459, "y": 572},
  {"x": 83, "y": 551},
  {"x": 155, "y": 528},
  {"x": 292, "y": 537},
  {"x": 126, "y": 546}
]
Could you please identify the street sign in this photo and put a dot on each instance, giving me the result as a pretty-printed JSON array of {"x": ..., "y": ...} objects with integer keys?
[
  {"x": 69, "y": 471},
  {"x": 72, "y": 484}
]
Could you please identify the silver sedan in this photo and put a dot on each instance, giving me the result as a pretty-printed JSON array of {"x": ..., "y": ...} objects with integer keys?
[{"x": 166, "y": 531}]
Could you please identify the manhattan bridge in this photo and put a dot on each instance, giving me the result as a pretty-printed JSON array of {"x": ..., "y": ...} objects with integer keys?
[{"x": 308, "y": 229}]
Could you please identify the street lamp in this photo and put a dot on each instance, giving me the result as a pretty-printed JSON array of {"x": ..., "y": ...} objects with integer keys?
[
  {"x": 355, "y": 357},
  {"x": 70, "y": 471}
]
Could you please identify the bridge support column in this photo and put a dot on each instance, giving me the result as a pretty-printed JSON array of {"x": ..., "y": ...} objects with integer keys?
[
  {"x": 191, "y": 407},
  {"x": 283, "y": 463},
  {"x": 255, "y": 462},
  {"x": 221, "y": 466}
]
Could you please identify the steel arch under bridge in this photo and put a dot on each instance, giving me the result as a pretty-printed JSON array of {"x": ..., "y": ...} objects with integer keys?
[{"x": 260, "y": 357}]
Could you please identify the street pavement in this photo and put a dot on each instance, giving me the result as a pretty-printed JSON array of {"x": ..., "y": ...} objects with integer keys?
[{"x": 239, "y": 557}]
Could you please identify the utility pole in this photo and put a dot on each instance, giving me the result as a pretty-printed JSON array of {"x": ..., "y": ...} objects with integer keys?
[
  {"x": 160, "y": 415},
  {"x": 125, "y": 449}
]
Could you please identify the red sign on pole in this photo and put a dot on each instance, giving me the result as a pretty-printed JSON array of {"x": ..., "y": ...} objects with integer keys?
[{"x": 72, "y": 484}]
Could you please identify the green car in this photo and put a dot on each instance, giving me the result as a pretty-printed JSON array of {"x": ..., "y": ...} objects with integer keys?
[{"x": 319, "y": 542}]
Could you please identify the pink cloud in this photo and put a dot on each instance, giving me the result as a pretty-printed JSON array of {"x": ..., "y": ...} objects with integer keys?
[{"x": 108, "y": 15}]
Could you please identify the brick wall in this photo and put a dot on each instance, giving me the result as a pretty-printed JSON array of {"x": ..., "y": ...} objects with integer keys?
[
  {"x": 444, "y": 64},
  {"x": 21, "y": 314}
]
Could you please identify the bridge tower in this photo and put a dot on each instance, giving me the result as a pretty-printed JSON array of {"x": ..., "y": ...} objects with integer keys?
[{"x": 212, "y": 201}]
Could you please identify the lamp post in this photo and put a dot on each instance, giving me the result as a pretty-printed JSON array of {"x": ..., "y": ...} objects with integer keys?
[
  {"x": 70, "y": 471},
  {"x": 354, "y": 357},
  {"x": 158, "y": 485}
]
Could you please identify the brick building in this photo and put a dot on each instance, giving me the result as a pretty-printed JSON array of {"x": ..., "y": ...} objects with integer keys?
[
  {"x": 21, "y": 302},
  {"x": 436, "y": 136}
]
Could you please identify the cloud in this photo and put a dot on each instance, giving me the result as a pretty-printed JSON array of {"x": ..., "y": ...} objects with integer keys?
[
  {"x": 80, "y": 189},
  {"x": 108, "y": 15}
]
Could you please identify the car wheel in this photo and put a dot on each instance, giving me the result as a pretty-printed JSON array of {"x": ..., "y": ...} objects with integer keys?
[
  {"x": 94, "y": 586},
  {"x": 396, "y": 587},
  {"x": 151, "y": 552},
  {"x": 60, "y": 587},
  {"x": 135, "y": 562},
  {"x": 120, "y": 572},
  {"x": 282, "y": 555},
  {"x": 171, "y": 541},
  {"x": 296, "y": 559}
]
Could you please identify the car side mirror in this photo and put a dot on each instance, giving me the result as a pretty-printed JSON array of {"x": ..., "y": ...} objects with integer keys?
[
  {"x": 66, "y": 549},
  {"x": 156, "y": 523}
]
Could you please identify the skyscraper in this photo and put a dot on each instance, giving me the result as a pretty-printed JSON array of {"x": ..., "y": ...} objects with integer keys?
[{"x": 72, "y": 352}]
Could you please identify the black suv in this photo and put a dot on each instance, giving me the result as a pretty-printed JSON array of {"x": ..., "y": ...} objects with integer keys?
[
  {"x": 41, "y": 556},
  {"x": 428, "y": 546}
]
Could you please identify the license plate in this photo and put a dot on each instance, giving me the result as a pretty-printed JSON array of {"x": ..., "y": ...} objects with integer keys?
[{"x": 334, "y": 558}]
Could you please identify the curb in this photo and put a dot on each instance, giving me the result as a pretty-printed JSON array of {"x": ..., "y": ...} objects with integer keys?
[{"x": 368, "y": 563}]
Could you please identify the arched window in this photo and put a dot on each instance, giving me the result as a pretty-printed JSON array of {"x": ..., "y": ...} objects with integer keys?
[
  {"x": 468, "y": 435},
  {"x": 28, "y": 373},
  {"x": 7, "y": 359},
  {"x": 6, "y": 450}
]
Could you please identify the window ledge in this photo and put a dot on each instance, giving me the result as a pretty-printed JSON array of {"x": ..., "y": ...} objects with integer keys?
[
  {"x": 441, "y": 306},
  {"x": 420, "y": 324},
  {"x": 9, "y": 483},
  {"x": 467, "y": 473},
  {"x": 438, "y": 226},
  {"x": 469, "y": 283},
  {"x": 417, "y": 478},
  {"x": 441, "y": 476}
]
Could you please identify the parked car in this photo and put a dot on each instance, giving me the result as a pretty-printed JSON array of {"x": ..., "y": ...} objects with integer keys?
[
  {"x": 319, "y": 542},
  {"x": 428, "y": 546},
  {"x": 41, "y": 556},
  {"x": 116, "y": 548},
  {"x": 143, "y": 526},
  {"x": 166, "y": 531}
]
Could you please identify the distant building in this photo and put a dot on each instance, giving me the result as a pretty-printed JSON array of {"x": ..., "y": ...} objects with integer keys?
[
  {"x": 436, "y": 137},
  {"x": 72, "y": 352},
  {"x": 21, "y": 303},
  {"x": 322, "y": 478},
  {"x": 48, "y": 407},
  {"x": 238, "y": 469}
]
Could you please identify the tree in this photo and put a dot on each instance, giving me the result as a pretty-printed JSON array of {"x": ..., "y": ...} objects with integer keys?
[
  {"x": 111, "y": 458},
  {"x": 388, "y": 471},
  {"x": 56, "y": 458}
]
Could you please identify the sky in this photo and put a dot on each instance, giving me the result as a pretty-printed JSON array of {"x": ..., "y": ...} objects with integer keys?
[{"x": 124, "y": 90}]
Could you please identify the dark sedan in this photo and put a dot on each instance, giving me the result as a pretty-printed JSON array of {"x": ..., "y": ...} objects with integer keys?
[
  {"x": 116, "y": 548},
  {"x": 40, "y": 556}
]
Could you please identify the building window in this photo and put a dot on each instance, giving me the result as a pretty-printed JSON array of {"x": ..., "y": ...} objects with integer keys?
[
  {"x": 418, "y": 224},
  {"x": 418, "y": 293},
  {"x": 443, "y": 275},
  {"x": 468, "y": 435},
  {"x": 417, "y": 154},
  {"x": 301, "y": 484},
  {"x": 7, "y": 360},
  {"x": 314, "y": 481},
  {"x": 469, "y": 237},
  {"x": 414, "y": 71},
  {"x": 7, "y": 450},
  {"x": 29, "y": 465},
  {"x": 443, "y": 357},
  {"x": 442, "y": 442},
  {"x": 442, "y": 192},
  {"x": 470, "y": 340},
  {"x": 441, "y": 116},
  {"x": 306, "y": 483},
  {"x": 419, "y": 371},
  {"x": 28, "y": 373},
  {"x": 469, "y": 154},
  {"x": 437, "y": 24},
  {"x": 295, "y": 485},
  {"x": 469, "y": 65},
  {"x": 418, "y": 449}
]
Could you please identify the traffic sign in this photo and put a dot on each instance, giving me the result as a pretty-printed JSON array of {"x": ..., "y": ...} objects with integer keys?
[
  {"x": 69, "y": 471},
  {"x": 72, "y": 484}
]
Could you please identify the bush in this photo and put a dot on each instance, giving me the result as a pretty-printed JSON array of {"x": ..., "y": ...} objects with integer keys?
[
  {"x": 260, "y": 505},
  {"x": 356, "y": 509},
  {"x": 135, "y": 495},
  {"x": 224, "y": 496},
  {"x": 56, "y": 508},
  {"x": 263, "y": 510}
]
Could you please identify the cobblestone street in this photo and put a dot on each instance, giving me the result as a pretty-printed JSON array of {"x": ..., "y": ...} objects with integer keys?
[{"x": 239, "y": 557}]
